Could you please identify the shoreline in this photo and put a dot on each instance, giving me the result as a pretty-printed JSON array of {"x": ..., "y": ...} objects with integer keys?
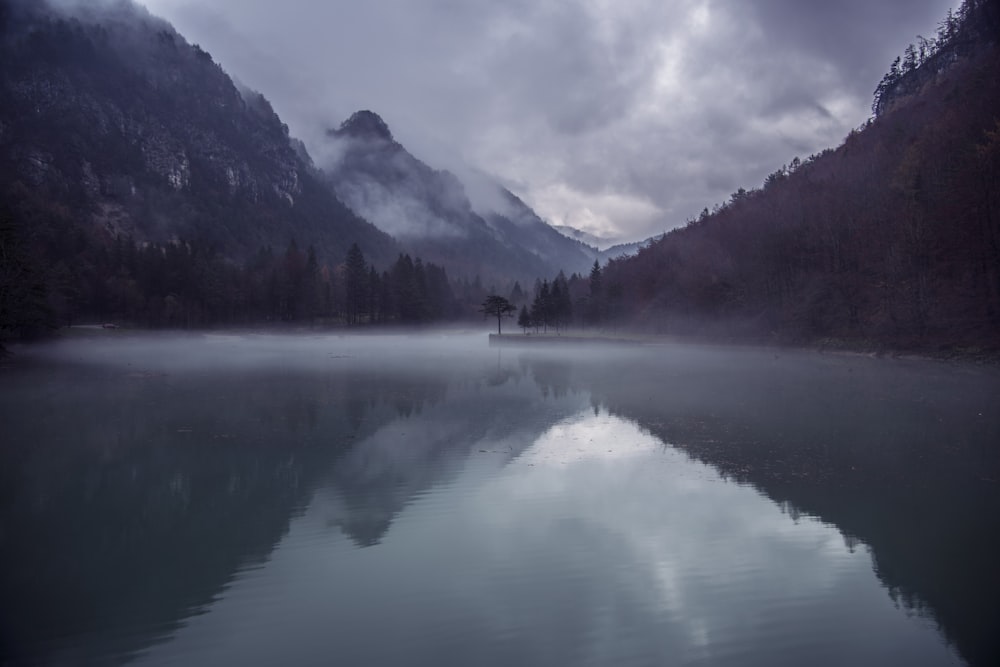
[
  {"x": 976, "y": 356},
  {"x": 555, "y": 339},
  {"x": 826, "y": 346}
]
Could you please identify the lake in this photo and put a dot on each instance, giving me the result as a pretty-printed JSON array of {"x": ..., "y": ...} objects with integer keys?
[{"x": 262, "y": 499}]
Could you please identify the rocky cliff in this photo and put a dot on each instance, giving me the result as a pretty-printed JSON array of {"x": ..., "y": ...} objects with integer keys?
[{"x": 108, "y": 111}]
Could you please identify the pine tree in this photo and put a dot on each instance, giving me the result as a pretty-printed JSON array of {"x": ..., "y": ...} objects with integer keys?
[
  {"x": 355, "y": 284},
  {"x": 524, "y": 319},
  {"x": 375, "y": 310},
  {"x": 596, "y": 302},
  {"x": 562, "y": 305},
  {"x": 909, "y": 59},
  {"x": 541, "y": 308},
  {"x": 516, "y": 293}
]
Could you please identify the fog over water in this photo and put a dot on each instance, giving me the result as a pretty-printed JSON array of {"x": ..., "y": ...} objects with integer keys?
[{"x": 426, "y": 499}]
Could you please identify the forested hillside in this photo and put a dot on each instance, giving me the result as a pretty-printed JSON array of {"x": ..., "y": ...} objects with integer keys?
[
  {"x": 892, "y": 239},
  {"x": 107, "y": 111},
  {"x": 140, "y": 185}
]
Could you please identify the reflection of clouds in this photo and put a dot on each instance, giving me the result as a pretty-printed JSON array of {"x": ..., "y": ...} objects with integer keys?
[
  {"x": 717, "y": 562},
  {"x": 585, "y": 437},
  {"x": 569, "y": 554}
]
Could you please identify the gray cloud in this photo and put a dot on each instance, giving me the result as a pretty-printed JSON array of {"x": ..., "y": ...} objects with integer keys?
[{"x": 617, "y": 117}]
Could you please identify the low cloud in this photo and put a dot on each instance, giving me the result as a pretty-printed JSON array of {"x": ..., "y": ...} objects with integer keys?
[{"x": 668, "y": 105}]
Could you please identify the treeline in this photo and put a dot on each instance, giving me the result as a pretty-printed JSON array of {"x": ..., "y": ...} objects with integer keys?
[
  {"x": 577, "y": 301},
  {"x": 893, "y": 239},
  {"x": 552, "y": 306},
  {"x": 960, "y": 33},
  {"x": 55, "y": 272},
  {"x": 409, "y": 292}
]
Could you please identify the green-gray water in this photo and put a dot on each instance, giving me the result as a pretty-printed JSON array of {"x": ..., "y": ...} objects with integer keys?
[{"x": 316, "y": 500}]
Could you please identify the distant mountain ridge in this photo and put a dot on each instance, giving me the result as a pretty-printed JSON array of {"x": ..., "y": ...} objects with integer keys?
[{"x": 584, "y": 237}]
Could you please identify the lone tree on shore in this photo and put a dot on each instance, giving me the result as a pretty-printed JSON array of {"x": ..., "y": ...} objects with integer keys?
[{"x": 497, "y": 306}]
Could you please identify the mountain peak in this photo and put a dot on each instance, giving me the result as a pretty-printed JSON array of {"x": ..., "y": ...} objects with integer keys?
[{"x": 365, "y": 124}]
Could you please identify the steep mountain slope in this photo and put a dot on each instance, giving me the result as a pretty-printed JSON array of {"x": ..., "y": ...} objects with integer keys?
[
  {"x": 582, "y": 236},
  {"x": 430, "y": 211},
  {"x": 107, "y": 111},
  {"x": 961, "y": 35},
  {"x": 623, "y": 250},
  {"x": 602, "y": 247},
  {"x": 893, "y": 239}
]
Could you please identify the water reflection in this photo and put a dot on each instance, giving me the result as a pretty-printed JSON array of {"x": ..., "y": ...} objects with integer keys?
[
  {"x": 574, "y": 553},
  {"x": 898, "y": 455},
  {"x": 137, "y": 483},
  {"x": 441, "y": 502}
]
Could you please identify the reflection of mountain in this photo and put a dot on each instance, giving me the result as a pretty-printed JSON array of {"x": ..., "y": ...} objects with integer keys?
[
  {"x": 384, "y": 472},
  {"x": 901, "y": 457},
  {"x": 130, "y": 501},
  {"x": 143, "y": 513},
  {"x": 116, "y": 530}
]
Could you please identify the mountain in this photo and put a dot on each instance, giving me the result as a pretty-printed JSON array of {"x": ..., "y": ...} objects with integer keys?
[
  {"x": 623, "y": 250},
  {"x": 110, "y": 114},
  {"x": 960, "y": 36},
  {"x": 891, "y": 240},
  {"x": 601, "y": 247},
  {"x": 498, "y": 237},
  {"x": 584, "y": 237},
  {"x": 139, "y": 184}
]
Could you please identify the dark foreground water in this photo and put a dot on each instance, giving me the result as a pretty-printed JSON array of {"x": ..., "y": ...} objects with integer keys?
[{"x": 279, "y": 500}]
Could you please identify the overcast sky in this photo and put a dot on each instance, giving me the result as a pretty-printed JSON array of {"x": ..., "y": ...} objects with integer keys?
[{"x": 618, "y": 117}]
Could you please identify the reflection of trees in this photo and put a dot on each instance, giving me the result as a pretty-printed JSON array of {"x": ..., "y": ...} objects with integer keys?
[
  {"x": 899, "y": 457},
  {"x": 552, "y": 375},
  {"x": 163, "y": 489},
  {"x": 404, "y": 393},
  {"x": 130, "y": 502}
]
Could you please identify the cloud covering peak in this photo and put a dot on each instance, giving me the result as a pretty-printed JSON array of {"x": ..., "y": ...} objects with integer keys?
[
  {"x": 618, "y": 118},
  {"x": 364, "y": 124}
]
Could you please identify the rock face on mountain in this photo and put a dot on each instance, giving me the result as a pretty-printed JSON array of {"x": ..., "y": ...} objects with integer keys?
[
  {"x": 962, "y": 35},
  {"x": 108, "y": 111},
  {"x": 430, "y": 211}
]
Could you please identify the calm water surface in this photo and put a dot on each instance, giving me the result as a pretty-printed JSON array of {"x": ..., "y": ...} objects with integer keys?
[{"x": 317, "y": 500}]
